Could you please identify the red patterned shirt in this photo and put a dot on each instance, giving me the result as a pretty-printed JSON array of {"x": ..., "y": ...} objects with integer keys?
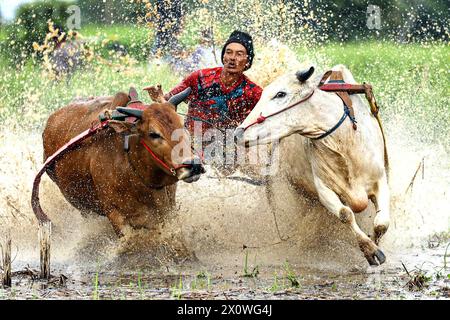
[{"x": 215, "y": 105}]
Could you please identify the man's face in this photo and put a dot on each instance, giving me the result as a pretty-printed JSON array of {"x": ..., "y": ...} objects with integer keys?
[{"x": 235, "y": 58}]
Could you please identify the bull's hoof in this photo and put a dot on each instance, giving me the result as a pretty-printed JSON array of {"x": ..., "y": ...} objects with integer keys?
[
  {"x": 380, "y": 256},
  {"x": 377, "y": 258}
]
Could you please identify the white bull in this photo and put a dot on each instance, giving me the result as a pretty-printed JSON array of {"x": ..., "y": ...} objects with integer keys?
[{"x": 344, "y": 169}]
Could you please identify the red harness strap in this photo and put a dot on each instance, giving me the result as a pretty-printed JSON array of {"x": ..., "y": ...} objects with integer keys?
[
  {"x": 35, "y": 204},
  {"x": 262, "y": 118},
  {"x": 161, "y": 162},
  {"x": 41, "y": 216},
  {"x": 341, "y": 89}
]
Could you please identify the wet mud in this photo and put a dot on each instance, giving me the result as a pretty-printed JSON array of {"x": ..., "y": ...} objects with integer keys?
[{"x": 224, "y": 242}]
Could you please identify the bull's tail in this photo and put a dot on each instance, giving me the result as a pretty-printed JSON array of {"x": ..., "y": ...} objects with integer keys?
[
  {"x": 374, "y": 109},
  {"x": 386, "y": 158},
  {"x": 35, "y": 203},
  {"x": 45, "y": 227},
  {"x": 44, "y": 221}
]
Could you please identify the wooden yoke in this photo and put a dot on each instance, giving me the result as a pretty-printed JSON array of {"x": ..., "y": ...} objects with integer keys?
[
  {"x": 337, "y": 78},
  {"x": 337, "y": 85}
]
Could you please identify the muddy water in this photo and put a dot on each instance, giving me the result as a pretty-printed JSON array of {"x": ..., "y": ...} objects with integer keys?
[
  {"x": 237, "y": 247},
  {"x": 225, "y": 242}
]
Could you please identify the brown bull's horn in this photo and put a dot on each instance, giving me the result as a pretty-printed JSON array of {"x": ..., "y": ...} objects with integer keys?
[
  {"x": 179, "y": 97},
  {"x": 304, "y": 75},
  {"x": 130, "y": 112}
]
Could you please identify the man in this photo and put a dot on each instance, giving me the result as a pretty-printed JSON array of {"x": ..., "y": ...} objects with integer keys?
[
  {"x": 67, "y": 55},
  {"x": 221, "y": 97}
]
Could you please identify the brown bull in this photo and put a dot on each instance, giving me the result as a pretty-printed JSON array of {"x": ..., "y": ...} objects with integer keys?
[{"x": 134, "y": 187}]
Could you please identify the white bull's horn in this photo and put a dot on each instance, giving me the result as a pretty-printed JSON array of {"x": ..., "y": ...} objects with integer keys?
[
  {"x": 179, "y": 97},
  {"x": 304, "y": 75},
  {"x": 130, "y": 112}
]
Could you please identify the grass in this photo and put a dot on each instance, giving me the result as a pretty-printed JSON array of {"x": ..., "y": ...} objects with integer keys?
[
  {"x": 291, "y": 276},
  {"x": 445, "y": 255},
  {"x": 247, "y": 273},
  {"x": 289, "y": 279},
  {"x": 95, "y": 293},
  {"x": 201, "y": 281},
  {"x": 30, "y": 97},
  {"x": 136, "y": 40},
  {"x": 118, "y": 32},
  {"x": 276, "y": 285},
  {"x": 140, "y": 287},
  {"x": 417, "y": 279},
  {"x": 177, "y": 289},
  {"x": 411, "y": 82}
]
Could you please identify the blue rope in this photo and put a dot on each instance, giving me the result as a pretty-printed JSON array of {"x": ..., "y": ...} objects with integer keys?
[{"x": 337, "y": 125}]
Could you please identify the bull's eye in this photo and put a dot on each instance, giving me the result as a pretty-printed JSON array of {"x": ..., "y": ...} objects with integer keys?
[
  {"x": 280, "y": 95},
  {"x": 154, "y": 135}
]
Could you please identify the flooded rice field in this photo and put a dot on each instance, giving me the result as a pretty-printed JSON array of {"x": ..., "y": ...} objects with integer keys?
[
  {"x": 225, "y": 242},
  {"x": 225, "y": 239},
  {"x": 203, "y": 281}
]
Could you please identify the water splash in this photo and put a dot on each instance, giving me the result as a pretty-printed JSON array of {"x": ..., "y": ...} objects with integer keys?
[{"x": 218, "y": 218}]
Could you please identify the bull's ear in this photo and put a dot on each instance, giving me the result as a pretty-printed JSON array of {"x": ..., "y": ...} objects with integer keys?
[
  {"x": 304, "y": 75},
  {"x": 122, "y": 126},
  {"x": 130, "y": 112}
]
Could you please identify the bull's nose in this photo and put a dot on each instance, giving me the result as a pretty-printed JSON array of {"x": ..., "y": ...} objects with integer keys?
[
  {"x": 238, "y": 135},
  {"x": 197, "y": 168},
  {"x": 195, "y": 165}
]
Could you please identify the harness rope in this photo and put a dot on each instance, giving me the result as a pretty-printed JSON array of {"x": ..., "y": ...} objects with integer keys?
[
  {"x": 337, "y": 85},
  {"x": 35, "y": 203},
  {"x": 172, "y": 170}
]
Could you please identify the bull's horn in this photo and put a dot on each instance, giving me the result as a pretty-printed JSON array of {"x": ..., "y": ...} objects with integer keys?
[
  {"x": 130, "y": 112},
  {"x": 179, "y": 97},
  {"x": 304, "y": 75}
]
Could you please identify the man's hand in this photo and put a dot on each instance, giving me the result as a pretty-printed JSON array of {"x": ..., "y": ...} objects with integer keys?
[{"x": 156, "y": 93}]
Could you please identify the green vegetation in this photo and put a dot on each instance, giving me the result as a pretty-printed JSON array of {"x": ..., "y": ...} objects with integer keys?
[
  {"x": 291, "y": 276},
  {"x": 410, "y": 82},
  {"x": 287, "y": 280},
  {"x": 247, "y": 273},
  {"x": 136, "y": 41},
  {"x": 31, "y": 26},
  {"x": 177, "y": 289},
  {"x": 201, "y": 281},
  {"x": 418, "y": 279},
  {"x": 276, "y": 285},
  {"x": 28, "y": 95},
  {"x": 95, "y": 294}
]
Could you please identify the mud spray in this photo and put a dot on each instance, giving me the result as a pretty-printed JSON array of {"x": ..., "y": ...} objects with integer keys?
[{"x": 217, "y": 219}]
